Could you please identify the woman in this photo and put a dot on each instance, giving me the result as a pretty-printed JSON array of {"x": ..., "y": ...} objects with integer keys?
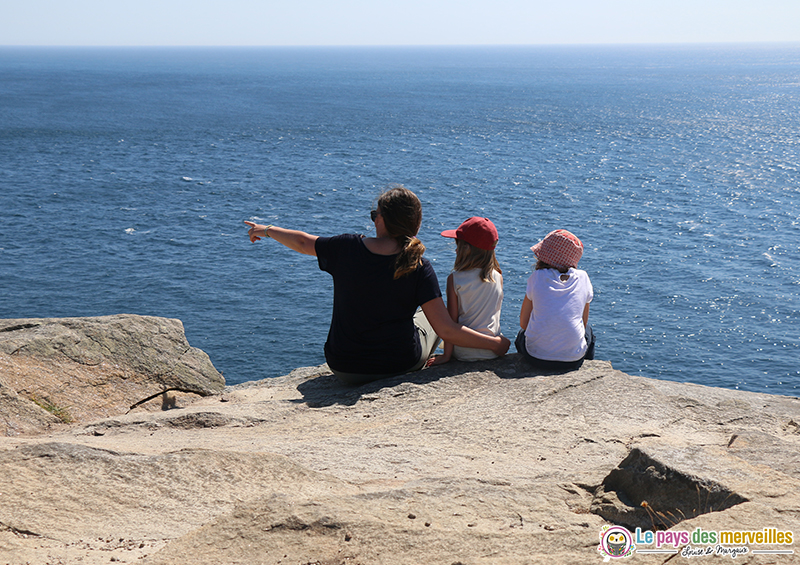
[{"x": 378, "y": 285}]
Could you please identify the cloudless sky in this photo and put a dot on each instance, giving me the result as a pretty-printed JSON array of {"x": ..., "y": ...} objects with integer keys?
[{"x": 391, "y": 22}]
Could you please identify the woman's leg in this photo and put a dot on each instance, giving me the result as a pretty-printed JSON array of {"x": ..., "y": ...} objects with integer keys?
[{"x": 428, "y": 339}]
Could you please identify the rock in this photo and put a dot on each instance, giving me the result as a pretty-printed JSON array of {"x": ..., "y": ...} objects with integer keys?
[
  {"x": 18, "y": 415},
  {"x": 488, "y": 462},
  {"x": 650, "y": 492},
  {"x": 72, "y": 370}
]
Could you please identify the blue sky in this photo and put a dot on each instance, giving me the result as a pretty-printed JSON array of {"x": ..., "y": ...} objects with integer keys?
[{"x": 381, "y": 22}]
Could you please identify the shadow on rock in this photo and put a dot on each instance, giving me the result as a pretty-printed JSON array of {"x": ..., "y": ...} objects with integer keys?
[{"x": 326, "y": 390}]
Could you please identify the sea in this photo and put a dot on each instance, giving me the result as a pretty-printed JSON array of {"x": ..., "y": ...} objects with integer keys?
[{"x": 126, "y": 175}]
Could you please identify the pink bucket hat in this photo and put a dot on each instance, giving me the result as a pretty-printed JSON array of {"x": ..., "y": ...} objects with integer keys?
[
  {"x": 559, "y": 248},
  {"x": 476, "y": 231}
]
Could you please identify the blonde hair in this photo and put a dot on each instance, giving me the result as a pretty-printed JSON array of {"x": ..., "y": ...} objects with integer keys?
[
  {"x": 470, "y": 257},
  {"x": 402, "y": 216}
]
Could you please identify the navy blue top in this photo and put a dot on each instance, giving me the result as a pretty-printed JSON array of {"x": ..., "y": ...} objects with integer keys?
[{"x": 372, "y": 329}]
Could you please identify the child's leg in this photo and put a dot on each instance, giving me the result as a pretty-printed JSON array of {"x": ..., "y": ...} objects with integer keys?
[
  {"x": 557, "y": 366},
  {"x": 519, "y": 343},
  {"x": 590, "y": 339}
]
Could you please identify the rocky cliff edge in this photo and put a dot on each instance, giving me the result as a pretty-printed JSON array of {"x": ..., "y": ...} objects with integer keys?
[{"x": 479, "y": 463}]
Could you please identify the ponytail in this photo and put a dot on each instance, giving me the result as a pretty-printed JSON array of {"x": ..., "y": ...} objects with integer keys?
[
  {"x": 402, "y": 216},
  {"x": 411, "y": 250}
]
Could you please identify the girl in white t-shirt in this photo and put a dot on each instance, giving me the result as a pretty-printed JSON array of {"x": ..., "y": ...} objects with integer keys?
[
  {"x": 474, "y": 288},
  {"x": 555, "y": 332}
]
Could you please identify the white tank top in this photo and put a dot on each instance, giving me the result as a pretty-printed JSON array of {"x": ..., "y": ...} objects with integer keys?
[{"x": 479, "y": 304}]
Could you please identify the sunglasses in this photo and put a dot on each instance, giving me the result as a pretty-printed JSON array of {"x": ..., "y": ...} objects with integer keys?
[{"x": 373, "y": 214}]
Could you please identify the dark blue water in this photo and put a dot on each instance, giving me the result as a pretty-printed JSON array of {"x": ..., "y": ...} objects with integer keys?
[{"x": 125, "y": 175}]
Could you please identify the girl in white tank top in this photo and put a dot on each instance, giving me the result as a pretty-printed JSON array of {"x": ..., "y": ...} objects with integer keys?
[{"x": 474, "y": 288}]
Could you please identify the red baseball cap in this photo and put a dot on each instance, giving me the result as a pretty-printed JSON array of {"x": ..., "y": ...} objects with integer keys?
[
  {"x": 476, "y": 231},
  {"x": 559, "y": 248}
]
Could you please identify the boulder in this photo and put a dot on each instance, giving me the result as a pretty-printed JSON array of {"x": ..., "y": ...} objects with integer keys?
[{"x": 71, "y": 370}]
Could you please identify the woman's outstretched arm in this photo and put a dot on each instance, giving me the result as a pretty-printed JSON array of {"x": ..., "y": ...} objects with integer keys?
[
  {"x": 453, "y": 332},
  {"x": 299, "y": 241}
]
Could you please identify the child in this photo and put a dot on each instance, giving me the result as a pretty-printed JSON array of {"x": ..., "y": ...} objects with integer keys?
[
  {"x": 474, "y": 288},
  {"x": 555, "y": 313}
]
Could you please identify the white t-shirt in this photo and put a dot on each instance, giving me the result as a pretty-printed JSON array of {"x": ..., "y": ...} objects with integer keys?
[
  {"x": 479, "y": 304},
  {"x": 555, "y": 330}
]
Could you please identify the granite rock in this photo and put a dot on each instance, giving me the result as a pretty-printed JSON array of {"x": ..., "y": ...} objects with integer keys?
[
  {"x": 71, "y": 370},
  {"x": 489, "y": 462}
]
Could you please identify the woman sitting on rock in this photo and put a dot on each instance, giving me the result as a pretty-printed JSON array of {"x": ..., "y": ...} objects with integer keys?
[{"x": 379, "y": 283}]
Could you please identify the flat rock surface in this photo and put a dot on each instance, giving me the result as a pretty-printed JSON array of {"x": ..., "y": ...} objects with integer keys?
[{"x": 479, "y": 463}]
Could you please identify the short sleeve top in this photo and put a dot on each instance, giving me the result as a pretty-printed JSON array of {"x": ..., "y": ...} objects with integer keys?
[
  {"x": 555, "y": 330},
  {"x": 372, "y": 329}
]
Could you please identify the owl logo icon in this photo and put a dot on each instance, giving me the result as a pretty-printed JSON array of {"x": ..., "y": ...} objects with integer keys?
[{"x": 616, "y": 542}]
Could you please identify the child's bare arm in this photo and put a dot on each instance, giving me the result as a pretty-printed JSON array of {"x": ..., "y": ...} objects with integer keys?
[{"x": 525, "y": 313}]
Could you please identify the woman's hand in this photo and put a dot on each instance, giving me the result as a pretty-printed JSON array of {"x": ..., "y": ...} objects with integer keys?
[
  {"x": 455, "y": 333},
  {"x": 299, "y": 241},
  {"x": 255, "y": 231},
  {"x": 502, "y": 347}
]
